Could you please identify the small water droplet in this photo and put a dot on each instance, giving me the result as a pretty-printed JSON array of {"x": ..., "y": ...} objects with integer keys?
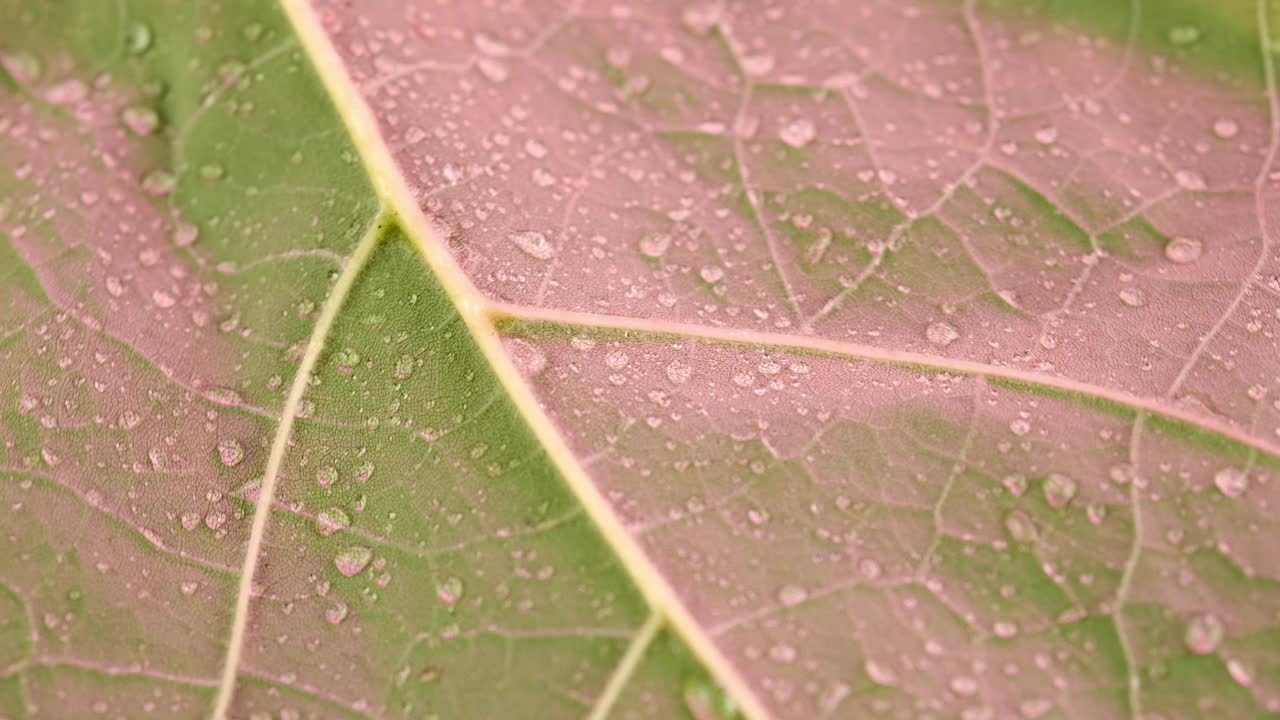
[
  {"x": 533, "y": 243},
  {"x": 185, "y": 234},
  {"x": 1189, "y": 180},
  {"x": 159, "y": 183},
  {"x": 679, "y": 372},
  {"x": 1183, "y": 250},
  {"x": 404, "y": 367},
  {"x": 1133, "y": 297},
  {"x": 963, "y": 685},
  {"x": 1232, "y": 482},
  {"x": 450, "y": 590},
  {"x": 1204, "y": 633},
  {"x": 352, "y": 560},
  {"x": 1015, "y": 484},
  {"x": 941, "y": 333},
  {"x": 140, "y": 119},
  {"x": 230, "y": 452},
  {"x": 1020, "y": 526},
  {"x": 798, "y": 133},
  {"x": 655, "y": 245},
  {"x": 792, "y": 595},
  {"x": 527, "y": 357},
  {"x": 1046, "y": 135},
  {"x": 711, "y": 274},
  {"x": 869, "y": 568},
  {"x": 880, "y": 674},
  {"x": 1225, "y": 128},
  {"x": 327, "y": 476},
  {"x": 1184, "y": 34},
  {"x": 336, "y": 613},
  {"x": 138, "y": 38},
  {"x": 347, "y": 359},
  {"x": 332, "y": 520},
  {"x": 1059, "y": 490}
]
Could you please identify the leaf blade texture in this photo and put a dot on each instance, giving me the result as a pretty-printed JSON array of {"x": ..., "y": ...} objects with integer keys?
[{"x": 391, "y": 359}]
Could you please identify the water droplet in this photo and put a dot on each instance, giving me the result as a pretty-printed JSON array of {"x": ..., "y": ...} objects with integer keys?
[
  {"x": 364, "y": 472},
  {"x": 963, "y": 685},
  {"x": 655, "y": 245},
  {"x": 404, "y": 367},
  {"x": 450, "y": 590},
  {"x": 706, "y": 700},
  {"x": 1239, "y": 672},
  {"x": 758, "y": 65},
  {"x": 1133, "y": 297},
  {"x": 792, "y": 595},
  {"x": 616, "y": 360},
  {"x": 1020, "y": 526},
  {"x": 869, "y": 568},
  {"x": 138, "y": 38},
  {"x": 163, "y": 299},
  {"x": 527, "y": 357},
  {"x": 347, "y": 359},
  {"x": 327, "y": 476},
  {"x": 798, "y": 133},
  {"x": 185, "y": 234},
  {"x": 1232, "y": 482},
  {"x": 1184, "y": 34},
  {"x": 159, "y": 183},
  {"x": 212, "y": 171},
  {"x": 332, "y": 520},
  {"x": 782, "y": 653},
  {"x": 880, "y": 674},
  {"x": 1019, "y": 426},
  {"x": 230, "y": 452},
  {"x": 67, "y": 92},
  {"x": 140, "y": 119},
  {"x": 1189, "y": 180},
  {"x": 1183, "y": 250},
  {"x": 941, "y": 333},
  {"x": 1122, "y": 474},
  {"x": 336, "y": 613},
  {"x": 352, "y": 560},
  {"x": 1046, "y": 135},
  {"x": 1015, "y": 484},
  {"x": 679, "y": 372},
  {"x": 1225, "y": 128},
  {"x": 1204, "y": 633},
  {"x": 533, "y": 243},
  {"x": 1059, "y": 490},
  {"x": 711, "y": 274}
]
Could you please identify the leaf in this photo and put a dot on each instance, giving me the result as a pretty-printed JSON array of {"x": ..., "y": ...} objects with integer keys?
[{"x": 636, "y": 360}]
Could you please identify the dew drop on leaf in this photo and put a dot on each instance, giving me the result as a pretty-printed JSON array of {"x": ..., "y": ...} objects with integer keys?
[
  {"x": 327, "y": 476},
  {"x": 798, "y": 133},
  {"x": 941, "y": 333},
  {"x": 528, "y": 359},
  {"x": 138, "y": 38},
  {"x": 230, "y": 452},
  {"x": 1015, "y": 484},
  {"x": 159, "y": 183},
  {"x": 711, "y": 274},
  {"x": 679, "y": 372},
  {"x": 1183, "y": 250},
  {"x": 1059, "y": 490},
  {"x": 1133, "y": 297},
  {"x": 1225, "y": 128},
  {"x": 404, "y": 367},
  {"x": 880, "y": 674},
  {"x": 140, "y": 119},
  {"x": 792, "y": 595},
  {"x": 655, "y": 245},
  {"x": 336, "y": 613},
  {"x": 332, "y": 520},
  {"x": 1184, "y": 34},
  {"x": 706, "y": 700},
  {"x": 1204, "y": 633},
  {"x": 1232, "y": 482},
  {"x": 869, "y": 568},
  {"x": 1020, "y": 526},
  {"x": 449, "y": 590},
  {"x": 533, "y": 243},
  {"x": 352, "y": 560}
]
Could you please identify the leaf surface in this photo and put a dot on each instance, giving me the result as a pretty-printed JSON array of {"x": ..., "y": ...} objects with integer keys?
[{"x": 825, "y": 359}]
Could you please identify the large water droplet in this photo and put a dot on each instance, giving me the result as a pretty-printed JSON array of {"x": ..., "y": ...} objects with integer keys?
[
  {"x": 679, "y": 372},
  {"x": 138, "y": 38},
  {"x": 352, "y": 560},
  {"x": 1232, "y": 482},
  {"x": 1183, "y": 250},
  {"x": 1204, "y": 633},
  {"x": 655, "y": 245},
  {"x": 327, "y": 476},
  {"x": 1225, "y": 128}
]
